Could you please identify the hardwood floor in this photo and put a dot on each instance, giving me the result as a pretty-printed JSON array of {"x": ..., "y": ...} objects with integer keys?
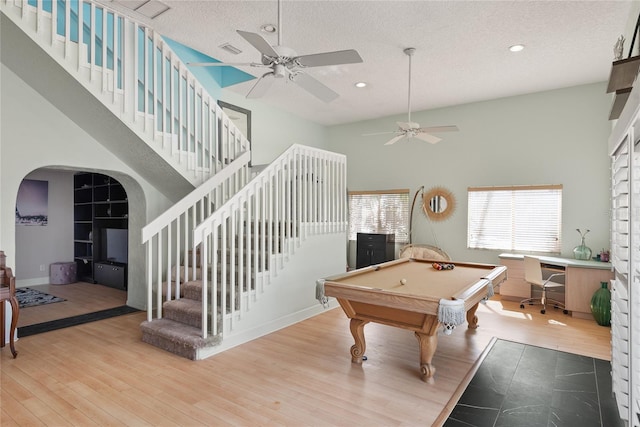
[
  {"x": 102, "y": 374},
  {"x": 81, "y": 298}
]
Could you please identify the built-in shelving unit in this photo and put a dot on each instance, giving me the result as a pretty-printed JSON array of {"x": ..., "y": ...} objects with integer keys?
[
  {"x": 100, "y": 203},
  {"x": 624, "y": 148}
]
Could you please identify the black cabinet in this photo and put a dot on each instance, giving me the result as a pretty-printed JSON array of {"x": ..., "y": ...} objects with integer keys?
[
  {"x": 111, "y": 274},
  {"x": 100, "y": 203},
  {"x": 374, "y": 249}
]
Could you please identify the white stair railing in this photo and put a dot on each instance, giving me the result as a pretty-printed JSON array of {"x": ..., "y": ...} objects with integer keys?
[
  {"x": 130, "y": 68},
  {"x": 168, "y": 238},
  {"x": 303, "y": 191}
]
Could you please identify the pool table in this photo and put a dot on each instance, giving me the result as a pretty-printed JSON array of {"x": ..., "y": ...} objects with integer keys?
[{"x": 377, "y": 294}]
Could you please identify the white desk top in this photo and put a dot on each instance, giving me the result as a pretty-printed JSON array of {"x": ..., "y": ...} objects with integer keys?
[{"x": 562, "y": 262}]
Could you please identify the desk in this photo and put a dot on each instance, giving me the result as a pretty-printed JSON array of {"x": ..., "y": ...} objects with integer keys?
[
  {"x": 375, "y": 294},
  {"x": 582, "y": 279}
]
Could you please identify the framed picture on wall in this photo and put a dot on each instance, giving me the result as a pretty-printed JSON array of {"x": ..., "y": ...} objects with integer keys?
[
  {"x": 32, "y": 203},
  {"x": 241, "y": 117}
]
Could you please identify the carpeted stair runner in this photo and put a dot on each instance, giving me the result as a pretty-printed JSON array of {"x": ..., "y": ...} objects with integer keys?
[
  {"x": 176, "y": 337},
  {"x": 179, "y": 331}
]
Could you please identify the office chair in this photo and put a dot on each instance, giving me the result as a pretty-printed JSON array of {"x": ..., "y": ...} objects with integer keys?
[{"x": 533, "y": 275}]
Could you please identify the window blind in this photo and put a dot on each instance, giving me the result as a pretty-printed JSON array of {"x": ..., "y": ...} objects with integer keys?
[
  {"x": 384, "y": 211},
  {"x": 515, "y": 218}
]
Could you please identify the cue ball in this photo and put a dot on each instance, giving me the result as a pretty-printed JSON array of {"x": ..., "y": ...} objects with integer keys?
[{"x": 403, "y": 281}]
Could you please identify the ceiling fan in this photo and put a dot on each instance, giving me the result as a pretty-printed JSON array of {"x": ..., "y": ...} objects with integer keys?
[
  {"x": 284, "y": 63},
  {"x": 411, "y": 129}
]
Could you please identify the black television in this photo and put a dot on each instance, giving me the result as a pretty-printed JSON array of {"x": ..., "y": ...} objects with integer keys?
[{"x": 116, "y": 244}]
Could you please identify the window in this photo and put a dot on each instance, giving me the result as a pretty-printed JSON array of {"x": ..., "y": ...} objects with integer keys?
[
  {"x": 385, "y": 212},
  {"x": 520, "y": 218}
]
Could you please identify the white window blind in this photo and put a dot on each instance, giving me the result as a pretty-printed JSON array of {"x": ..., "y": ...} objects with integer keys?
[
  {"x": 385, "y": 212},
  {"x": 518, "y": 218}
]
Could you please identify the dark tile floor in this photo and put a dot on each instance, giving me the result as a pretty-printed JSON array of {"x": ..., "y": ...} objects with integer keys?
[{"x": 523, "y": 385}]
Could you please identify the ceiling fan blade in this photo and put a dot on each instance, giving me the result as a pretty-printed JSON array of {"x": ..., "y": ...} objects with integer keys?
[
  {"x": 436, "y": 129},
  {"x": 226, "y": 64},
  {"x": 329, "y": 58},
  {"x": 314, "y": 87},
  {"x": 428, "y": 138},
  {"x": 257, "y": 41},
  {"x": 262, "y": 86},
  {"x": 395, "y": 139}
]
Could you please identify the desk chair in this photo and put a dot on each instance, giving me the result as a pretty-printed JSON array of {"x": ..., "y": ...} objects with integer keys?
[{"x": 533, "y": 275}]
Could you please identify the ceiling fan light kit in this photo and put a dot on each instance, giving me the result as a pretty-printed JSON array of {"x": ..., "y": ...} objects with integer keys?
[{"x": 284, "y": 62}]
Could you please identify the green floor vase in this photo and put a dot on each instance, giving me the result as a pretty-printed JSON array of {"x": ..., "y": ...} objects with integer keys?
[{"x": 601, "y": 305}]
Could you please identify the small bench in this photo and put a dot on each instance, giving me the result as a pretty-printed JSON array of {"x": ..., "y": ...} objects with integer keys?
[{"x": 63, "y": 273}]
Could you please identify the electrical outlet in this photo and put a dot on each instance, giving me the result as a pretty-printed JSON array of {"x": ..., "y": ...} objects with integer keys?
[{"x": 42, "y": 267}]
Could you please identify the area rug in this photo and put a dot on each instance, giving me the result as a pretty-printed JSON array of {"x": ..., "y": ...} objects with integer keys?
[
  {"x": 519, "y": 384},
  {"x": 53, "y": 325},
  {"x": 28, "y": 297}
]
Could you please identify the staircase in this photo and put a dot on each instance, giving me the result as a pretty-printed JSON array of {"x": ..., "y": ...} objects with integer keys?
[
  {"x": 242, "y": 246},
  {"x": 213, "y": 258}
]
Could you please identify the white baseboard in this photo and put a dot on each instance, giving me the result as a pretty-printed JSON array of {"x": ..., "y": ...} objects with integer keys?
[
  {"x": 23, "y": 283},
  {"x": 245, "y": 336}
]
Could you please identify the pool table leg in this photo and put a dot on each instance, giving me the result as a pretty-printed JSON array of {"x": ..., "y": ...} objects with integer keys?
[
  {"x": 472, "y": 319},
  {"x": 357, "y": 330},
  {"x": 428, "y": 344}
]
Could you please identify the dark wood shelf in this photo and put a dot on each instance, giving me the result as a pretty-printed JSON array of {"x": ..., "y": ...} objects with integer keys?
[
  {"x": 619, "y": 102},
  {"x": 623, "y": 74}
]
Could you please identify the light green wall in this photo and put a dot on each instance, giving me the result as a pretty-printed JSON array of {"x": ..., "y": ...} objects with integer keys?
[
  {"x": 554, "y": 137},
  {"x": 274, "y": 130}
]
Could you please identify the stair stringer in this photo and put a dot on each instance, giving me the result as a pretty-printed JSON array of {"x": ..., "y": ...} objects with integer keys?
[{"x": 289, "y": 296}]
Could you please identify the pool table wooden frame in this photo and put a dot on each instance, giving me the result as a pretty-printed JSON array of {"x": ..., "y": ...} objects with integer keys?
[{"x": 375, "y": 294}]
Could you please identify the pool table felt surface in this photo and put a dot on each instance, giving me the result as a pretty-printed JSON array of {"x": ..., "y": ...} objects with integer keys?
[{"x": 423, "y": 281}]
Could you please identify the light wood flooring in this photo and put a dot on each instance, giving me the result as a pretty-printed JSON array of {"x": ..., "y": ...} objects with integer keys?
[
  {"x": 81, "y": 298},
  {"x": 101, "y": 373}
]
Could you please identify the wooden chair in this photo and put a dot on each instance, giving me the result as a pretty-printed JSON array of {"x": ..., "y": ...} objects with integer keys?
[
  {"x": 8, "y": 293},
  {"x": 426, "y": 252}
]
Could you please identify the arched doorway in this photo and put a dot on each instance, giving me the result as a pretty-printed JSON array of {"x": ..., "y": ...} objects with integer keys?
[{"x": 87, "y": 231}]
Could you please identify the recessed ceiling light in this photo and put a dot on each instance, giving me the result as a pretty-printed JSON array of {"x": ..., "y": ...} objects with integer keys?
[
  {"x": 516, "y": 47},
  {"x": 269, "y": 28},
  {"x": 361, "y": 84}
]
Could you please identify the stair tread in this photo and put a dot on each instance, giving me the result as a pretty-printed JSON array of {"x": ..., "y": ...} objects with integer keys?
[
  {"x": 178, "y": 332},
  {"x": 185, "y": 304}
]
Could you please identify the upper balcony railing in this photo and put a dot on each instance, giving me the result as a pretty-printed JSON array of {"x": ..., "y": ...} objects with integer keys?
[{"x": 136, "y": 74}]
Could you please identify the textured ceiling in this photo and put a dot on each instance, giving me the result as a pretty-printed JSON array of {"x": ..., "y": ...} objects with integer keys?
[{"x": 462, "y": 51}]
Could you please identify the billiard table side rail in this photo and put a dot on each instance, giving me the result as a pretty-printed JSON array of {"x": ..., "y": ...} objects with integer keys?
[{"x": 417, "y": 303}]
